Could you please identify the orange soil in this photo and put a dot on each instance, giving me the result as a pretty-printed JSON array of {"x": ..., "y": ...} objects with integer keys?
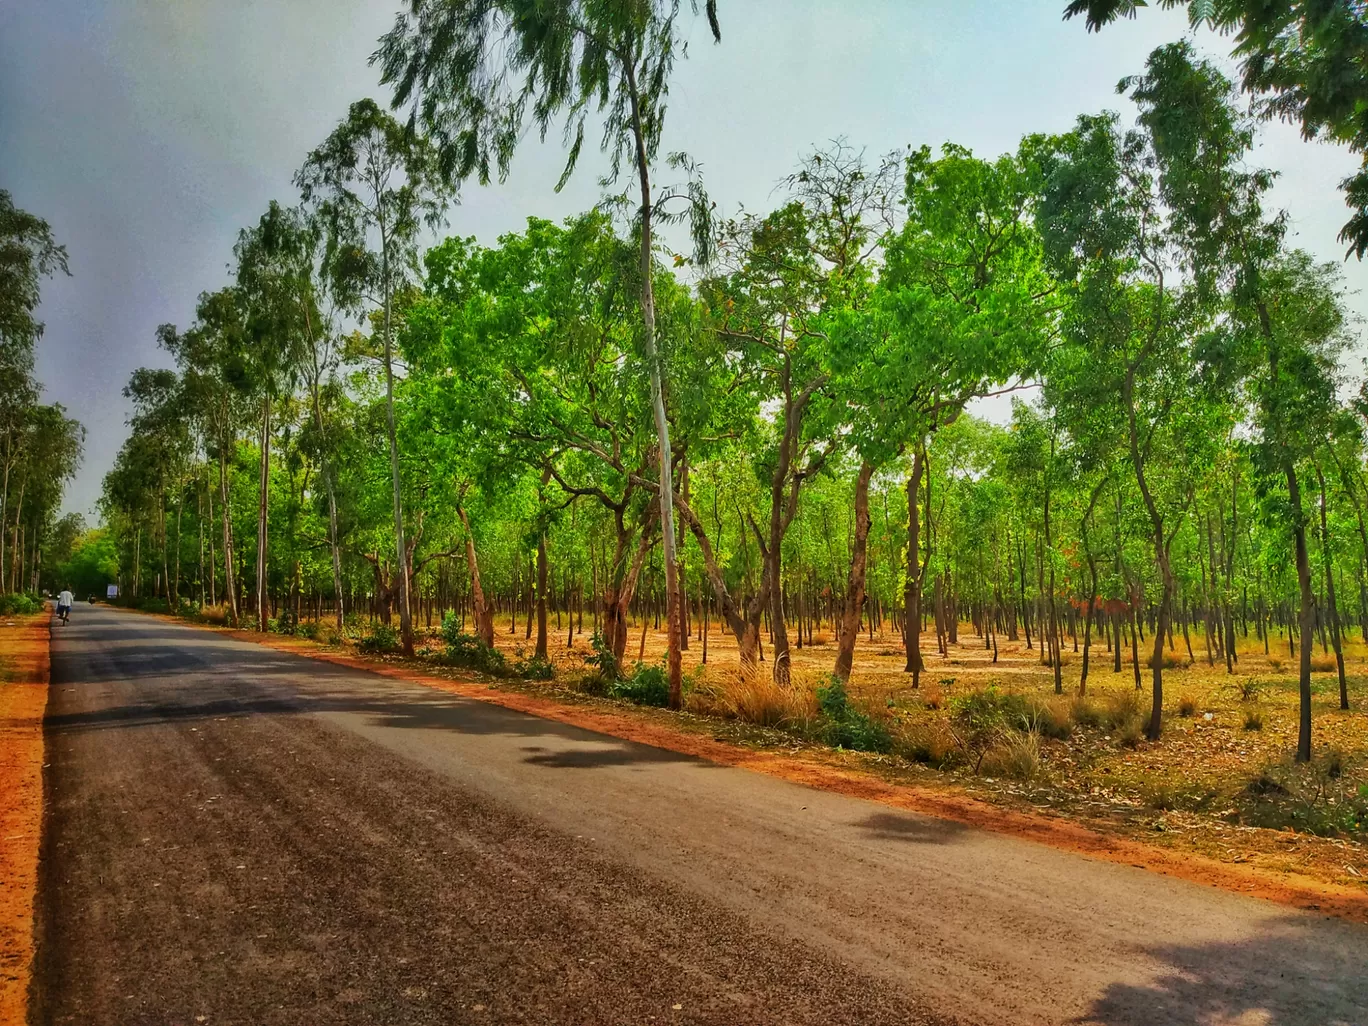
[
  {"x": 632, "y": 725},
  {"x": 23, "y": 698}
]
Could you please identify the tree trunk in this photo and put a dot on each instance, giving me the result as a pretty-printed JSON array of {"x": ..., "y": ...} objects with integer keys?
[
  {"x": 648, "y": 317},
  {"x": 912, "y": 589},
  {"x": 229, "y": 585},
  {"x": 1330, "y": 592},
  {"x": 855, "y": 584},
  {"x": 1307, "y": 617},
  {"x": 400, "y": 548},
  {"x": 262, "y": 505},
  {"x": 484, "y": 616}
]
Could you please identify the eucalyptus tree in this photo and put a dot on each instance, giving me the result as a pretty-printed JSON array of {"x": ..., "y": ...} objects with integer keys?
[
  {"x": 1293, "y": 378},
  {"x": 28, "y": 255},
  {"x": 274, "y": 335},
  {"x": 376, "y": 186},
  {"x": 964, "y": 305},
  {"x": 474, "y": 70},
  {"x": 527, "y": 351},
  {"x": 215, "y": 365},
  {"x": 785, "y": 278},
  {"x": 1302, "y": 60}
]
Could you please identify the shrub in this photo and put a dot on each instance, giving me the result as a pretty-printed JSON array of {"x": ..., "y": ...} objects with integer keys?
[
  {"x": 382, "y": 638},
  {"x": 602, "y": 659},
  {"x": 1323, "y": 664},
  {"x": 845, "y": 726},
  {"x": 468, "y": 651},
  {"x": 1169, "y": 661},
  {"x": 1250, "y": 688},
  {"x": 648, "y": 685},
  {"x": 20, "y": 604},
  {"x": 933, "y": 697},
  {"x": 1253, "y": 718},
  {"x": 535, "y": 668},
  {"x": 1187, "y": 706}
]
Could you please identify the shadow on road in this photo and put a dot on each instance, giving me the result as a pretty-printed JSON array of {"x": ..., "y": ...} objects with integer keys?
[
  {"x": 195, "y": 675},
  {"x": 1289, "y": 975},
  {"x": 889, "y": 826}
]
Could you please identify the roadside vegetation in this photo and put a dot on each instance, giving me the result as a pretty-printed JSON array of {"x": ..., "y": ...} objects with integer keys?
[{"x": 679, "y": 455}]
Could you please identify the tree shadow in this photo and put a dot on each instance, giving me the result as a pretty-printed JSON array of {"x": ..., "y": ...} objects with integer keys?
[
  {"x": 890, "y": 826},
  {"x": 185, "y": 675},
  {"x": 621, "y": 753},
  {"x": 1298, "y": 971}
]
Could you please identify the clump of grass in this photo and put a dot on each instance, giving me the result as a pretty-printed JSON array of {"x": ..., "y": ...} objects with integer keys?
[
  {"x": 1250, "y": 688},
  {"x": 752, "y": 696},
  {"x": 933, "y": 697},
  {"x": 1323, "y": 664},
  {"x": 819, "y": 639},
  {"x": 1187, "y": 706},
  {"x": 1253, "y": 718},
  {"x": 1085, "y": 712},
  {"x": 1123, "y": 716},
  {"x": 1275, "y": 661},
  {"x": 928, "y": 741},
  {"x": 1016, "y": 756},
  {"x": 1051, "y": 717},
  {"x": 1169, "y": 661}
]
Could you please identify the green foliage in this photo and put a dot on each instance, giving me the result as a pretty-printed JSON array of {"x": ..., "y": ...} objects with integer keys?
[
  {"x": 382, "y": 639},
  {"x": 844, "y": 725},
  {"x": 648, "y": 685},
  {"x": 466, "y": 650},
  {"x": 20, "y": 604}
]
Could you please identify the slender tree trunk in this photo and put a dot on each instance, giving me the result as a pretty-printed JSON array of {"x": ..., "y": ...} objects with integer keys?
[
  {"x": 1307, "y": 617},
  {"x": 648, "y": 317},
  {"x": 1333, "y": 609},
  {"x": 400, "y": 547},
  {"x": 912, "y": 589},
  {"x": 229, "y": 584},
  {"x": 855, "y": 584},
  {"x": 483, "y": 615},
  {"x": 262, "y": 505}
]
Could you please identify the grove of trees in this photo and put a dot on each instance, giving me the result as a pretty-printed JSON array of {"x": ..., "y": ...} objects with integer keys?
[{"x": 768, "y": 431}]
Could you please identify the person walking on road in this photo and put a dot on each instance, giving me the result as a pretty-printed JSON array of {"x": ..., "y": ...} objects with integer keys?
[{"x": 64, "y": 601}]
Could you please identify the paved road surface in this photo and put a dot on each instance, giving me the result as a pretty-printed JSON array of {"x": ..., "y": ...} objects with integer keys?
[{"x": 236, "y": 835}]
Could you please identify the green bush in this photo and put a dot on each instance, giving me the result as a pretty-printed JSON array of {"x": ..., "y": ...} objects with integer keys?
[
  {"x": 845, "y": 726},
  {"x": 535, "y": 668},
  {"x": 468, "y": 651},
  {"x": 602, "y": 659},
  {"x": 382, "y": 638},
  {"x": 648, "y": 685},
  {"x": 20, "y": 604}
]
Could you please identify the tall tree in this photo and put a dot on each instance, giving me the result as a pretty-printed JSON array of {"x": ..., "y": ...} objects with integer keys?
[
  {"x": 376, "y": 185},
  {"x": 473, "y": 71}
]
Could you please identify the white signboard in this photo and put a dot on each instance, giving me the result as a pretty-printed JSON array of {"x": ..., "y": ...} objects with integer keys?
[{"x": 112, "y": 591}]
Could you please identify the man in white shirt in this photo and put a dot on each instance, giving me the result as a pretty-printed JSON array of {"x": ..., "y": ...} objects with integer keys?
[{"x": 64, "y": 601}]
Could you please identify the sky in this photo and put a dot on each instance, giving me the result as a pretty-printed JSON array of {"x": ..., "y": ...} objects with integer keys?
[{"x": 149, "y": 132}]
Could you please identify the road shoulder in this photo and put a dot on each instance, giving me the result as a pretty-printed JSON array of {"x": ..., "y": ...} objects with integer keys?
[{"x": 24, "y": 674}]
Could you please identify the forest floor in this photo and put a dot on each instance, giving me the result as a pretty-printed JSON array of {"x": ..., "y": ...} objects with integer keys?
[
  {"x": 23, "y": 698},
  {"x": 1220, "y": 783}
]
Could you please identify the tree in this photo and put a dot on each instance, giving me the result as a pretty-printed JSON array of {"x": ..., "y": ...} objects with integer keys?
[
  {"x": 964, "y": 305},
  {"x": 1301, "y": 59},
  {"x": 470, "y": 68},
  {"x": 375, "y": 182}
]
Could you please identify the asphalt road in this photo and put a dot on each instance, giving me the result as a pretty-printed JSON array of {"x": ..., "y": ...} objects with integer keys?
[{"x": 235, "y": 835}]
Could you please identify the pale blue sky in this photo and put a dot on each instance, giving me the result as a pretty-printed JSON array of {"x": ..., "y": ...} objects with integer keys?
[{"x": 149, "y": 131}]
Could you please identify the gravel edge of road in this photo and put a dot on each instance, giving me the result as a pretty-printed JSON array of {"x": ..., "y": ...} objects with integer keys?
[
  {"x": 22, "y": 709},
  {"x": 1328, "y": 899}
]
